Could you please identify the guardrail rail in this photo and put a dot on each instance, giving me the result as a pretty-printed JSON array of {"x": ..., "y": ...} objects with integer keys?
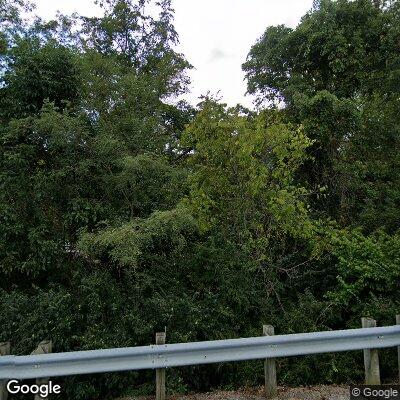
[{"x": 163, "y": 356}]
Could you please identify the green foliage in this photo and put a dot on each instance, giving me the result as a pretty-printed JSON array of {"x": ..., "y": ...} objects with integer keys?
[
  {"x": 34, "y": 75},
  {"x": 40, "y": 214},
  {"x": 243, "y": 173},
  {"x": 370, "y": 168},
  {"x": 128, "y": 245},
  {"x": 140, "y": 41},
  {"x": 336, "y": 75},
  {"x": 124, "y": 212},
  {"x": 341, "y": 46},
  {"x": 368, "y": 268}
]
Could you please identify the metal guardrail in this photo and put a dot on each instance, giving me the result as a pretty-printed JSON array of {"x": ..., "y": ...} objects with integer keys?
[{"x": 181, "y": 354}]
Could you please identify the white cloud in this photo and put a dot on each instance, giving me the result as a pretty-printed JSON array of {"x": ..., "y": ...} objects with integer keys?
[
  {"x": 218, "y": 54},
  {"x": 230, "y": 27}
]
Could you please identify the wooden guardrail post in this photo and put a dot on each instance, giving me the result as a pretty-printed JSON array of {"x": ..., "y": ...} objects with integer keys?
[
  {"x": 5, "y": 349},
  {"x": 270, "y": 368},
  {"x": 160, "y": 372},
  {"x": 371, "y": 358},
  {"x": 44, "y": 347},
  {"x": 398, "y": 347}
]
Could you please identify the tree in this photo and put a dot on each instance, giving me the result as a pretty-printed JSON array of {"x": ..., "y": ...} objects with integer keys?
[
  {"x": 86, "y": 144},
  {"x": 334, "y": 73},
  {"x": 124, "y": 211},
  {"x": 343, "y": 47}
]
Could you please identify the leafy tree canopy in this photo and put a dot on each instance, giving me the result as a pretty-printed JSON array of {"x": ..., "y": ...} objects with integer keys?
[{"x": 124, "y": 210}]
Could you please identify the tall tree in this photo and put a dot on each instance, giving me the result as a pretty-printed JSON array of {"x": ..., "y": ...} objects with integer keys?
[{"x": 333, "y": 74}]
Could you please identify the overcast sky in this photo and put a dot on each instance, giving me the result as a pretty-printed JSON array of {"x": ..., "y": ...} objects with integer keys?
[{"x": 215, "y": 36}]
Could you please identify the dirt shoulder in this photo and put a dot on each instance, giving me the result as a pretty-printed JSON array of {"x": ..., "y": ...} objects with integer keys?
[{"x": 284, "y": 393}]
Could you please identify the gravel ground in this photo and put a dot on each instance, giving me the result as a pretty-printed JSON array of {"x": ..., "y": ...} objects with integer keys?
[{"x": 284, "y": 393}]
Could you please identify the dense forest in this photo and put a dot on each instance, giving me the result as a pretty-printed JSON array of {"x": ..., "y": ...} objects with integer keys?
[{"x": 124, "y": 210}]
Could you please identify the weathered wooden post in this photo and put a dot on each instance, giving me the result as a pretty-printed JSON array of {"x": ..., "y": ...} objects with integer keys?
[
  {"x": 371, "y": 358},
  {"x": 270, "y": 368},
  {"x": 398, "y": 347},
  {"x": 5, "y": 349},
  {"x": 44, "y": 347},
  {"x": 160, "y": 372}
]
